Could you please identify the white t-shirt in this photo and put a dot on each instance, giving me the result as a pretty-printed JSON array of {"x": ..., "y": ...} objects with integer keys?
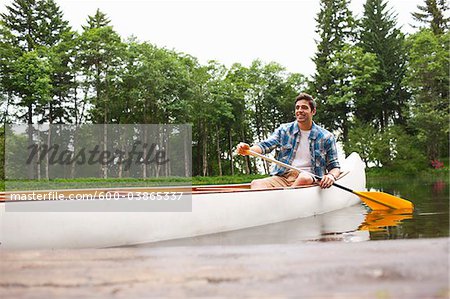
[{"x": 302, "y": 157}]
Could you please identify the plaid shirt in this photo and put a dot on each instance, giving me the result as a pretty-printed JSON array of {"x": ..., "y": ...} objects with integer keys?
[{"x": 322, "y": 147}]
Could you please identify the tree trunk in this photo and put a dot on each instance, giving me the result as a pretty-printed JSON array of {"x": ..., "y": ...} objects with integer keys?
[
  {"x": 105, "y": 148},
  {"x": 219, "y": 158},
  {"x": 49, "y": 140},
  {"x": 31, "y": 174},
  {"x": 75, "y": 141},
  {"x": 38, "y": 156},
  {"x": 230, "y": 148},
  {"x": 187, "y": 169},
  {"x": 167, "y": 151},
  {"x": 144, "y": 143},
  {"x": 204, "y": 152},
  {"x": 247, "y": 166}
]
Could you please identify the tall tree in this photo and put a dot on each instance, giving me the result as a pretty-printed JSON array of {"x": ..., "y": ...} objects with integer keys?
[
  {"x": 100, "y": 58},
  {"x": 240, "y": 130},
  {"x": 21, "y": 18},
  {"x": 99, "y": 55},
  {"x": 37, "y": 26},
  {"x": 380, "y": 36},
  {"x": 55, "y": 34},
  {"x": 433, "y": 15},
  {"x": 429, "y": 79},
  {"x": 335, "y": 26},
  {"x": 8, "y": 54}
]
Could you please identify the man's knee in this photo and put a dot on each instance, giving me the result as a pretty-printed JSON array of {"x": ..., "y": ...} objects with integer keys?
[
  {"x": 259, "y": 184},
  {"x": 303, "y": 179}
]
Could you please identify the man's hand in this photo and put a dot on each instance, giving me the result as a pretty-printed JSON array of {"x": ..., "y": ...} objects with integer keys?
[
  {"x": 327, "y": 181},
  {"x": 242, "y": 149}
]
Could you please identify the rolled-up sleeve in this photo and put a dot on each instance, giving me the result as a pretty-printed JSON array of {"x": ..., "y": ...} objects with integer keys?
[{"x": 332, "y": 155}]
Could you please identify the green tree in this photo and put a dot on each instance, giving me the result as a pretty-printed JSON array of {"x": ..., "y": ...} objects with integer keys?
[
  {"x": 8, "y": 55},
  {"x": 36, "y": 26},
  {"x": 396, "y": 150},
  {"x": 429, "y": 79},
  {"x": 433, "y": 15},
  {"x": 380, "y": 36},
  {"x": 358, "y": 70},
  {"x": 363, "y": 140},
  {"x": 99, "y": 55},
  {"x": 240, "y": 130},
  {"x": 32, "y": 83},
  {"x": 335, "y": 26},
  {"x": 21, "y": 19}
]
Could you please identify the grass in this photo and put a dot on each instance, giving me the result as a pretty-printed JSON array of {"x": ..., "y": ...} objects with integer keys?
[
  {"x": 125, "y": 182},
  {"x": 372, "y": 175}
]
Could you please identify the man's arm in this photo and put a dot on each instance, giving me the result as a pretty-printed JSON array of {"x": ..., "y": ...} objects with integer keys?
[
  {"x": 335, "y": 172},
  {"x": 333, "y": 166},
  {"x": 264, "y": 147}
]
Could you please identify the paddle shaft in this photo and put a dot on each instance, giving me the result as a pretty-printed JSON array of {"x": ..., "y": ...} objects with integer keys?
[
  {"x": 375, "y": 200},
  {"x": 253, "y": 153}
]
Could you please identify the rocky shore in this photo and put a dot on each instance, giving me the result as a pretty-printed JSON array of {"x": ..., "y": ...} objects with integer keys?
[{"x": 374, "y": 269}]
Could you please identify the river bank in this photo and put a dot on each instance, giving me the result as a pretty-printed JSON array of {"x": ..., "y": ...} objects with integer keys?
[{"x": 375, "y": 269}]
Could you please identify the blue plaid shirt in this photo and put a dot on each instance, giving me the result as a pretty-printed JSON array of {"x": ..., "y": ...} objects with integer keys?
[{"x": 322, "y": 147}]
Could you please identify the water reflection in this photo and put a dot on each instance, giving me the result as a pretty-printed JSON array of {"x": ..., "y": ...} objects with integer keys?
[
  {"x": 381, "y": 220},
  {"x": 430, "y": 219},
  {"x": 341, "y": 225},
  {"x": 430, "y": 196},
  {"x": 439, "y": 187}
]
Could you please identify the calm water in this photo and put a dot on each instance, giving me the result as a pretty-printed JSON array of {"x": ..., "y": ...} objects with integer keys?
[
  {"x": 431, "y": 200},
  {"x": 430, "y": 219}
]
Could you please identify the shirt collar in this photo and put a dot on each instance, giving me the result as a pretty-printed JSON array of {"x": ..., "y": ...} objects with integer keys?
[{"x": 314, "y": 130}]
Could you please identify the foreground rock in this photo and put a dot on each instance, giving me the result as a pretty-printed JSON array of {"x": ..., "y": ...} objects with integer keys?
[{"x": 374, "y": 269}]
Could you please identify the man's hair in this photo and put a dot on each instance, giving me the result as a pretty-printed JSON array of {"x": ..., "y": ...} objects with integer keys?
[{"x": 306, "y": 97}]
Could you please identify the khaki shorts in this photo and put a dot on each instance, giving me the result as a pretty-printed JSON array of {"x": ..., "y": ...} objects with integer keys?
[{"x": 277, "y": 181}]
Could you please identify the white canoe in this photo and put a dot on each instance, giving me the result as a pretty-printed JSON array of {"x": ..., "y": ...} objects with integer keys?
[{"x": 214, "y": 209}]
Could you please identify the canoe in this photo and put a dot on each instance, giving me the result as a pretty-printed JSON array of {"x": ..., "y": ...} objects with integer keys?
[{"x": 217, "y": 208}]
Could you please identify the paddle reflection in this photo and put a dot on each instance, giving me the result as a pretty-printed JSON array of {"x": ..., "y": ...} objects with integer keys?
[
  {"x": 377, "y": 221},
  {"x": 352, "y": 224}
]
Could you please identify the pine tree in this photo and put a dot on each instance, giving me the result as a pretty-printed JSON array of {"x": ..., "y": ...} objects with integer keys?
[
  {"x": 433, "y": 14},
  {"x": 38, "y": 27},
  {"x": 21, "y": 19},
  {"x": 99, "y": 56},
  {"x": 98, "y": 20},
  {"x": 380, "y": 36},
  {"x": 335, "y": 28}
]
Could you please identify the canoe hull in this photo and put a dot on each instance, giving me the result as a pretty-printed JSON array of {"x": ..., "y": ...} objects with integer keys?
[{"x": 211, "y": 213}]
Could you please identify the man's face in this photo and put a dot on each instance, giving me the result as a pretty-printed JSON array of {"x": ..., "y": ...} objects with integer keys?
[{"x": 303, "y": 112}]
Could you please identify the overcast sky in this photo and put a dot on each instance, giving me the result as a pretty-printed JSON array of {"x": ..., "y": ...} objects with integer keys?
[{"x": 228, "y": 31}]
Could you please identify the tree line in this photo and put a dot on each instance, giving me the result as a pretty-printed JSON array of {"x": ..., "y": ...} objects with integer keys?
[{"x": 384, "y": 93}]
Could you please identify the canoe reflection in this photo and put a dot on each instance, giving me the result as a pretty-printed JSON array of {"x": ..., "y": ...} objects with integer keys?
[{"x": 340, "y": 225}]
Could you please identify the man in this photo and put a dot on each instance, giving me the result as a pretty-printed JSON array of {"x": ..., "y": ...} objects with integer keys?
[{"x": 302, "y": 144}]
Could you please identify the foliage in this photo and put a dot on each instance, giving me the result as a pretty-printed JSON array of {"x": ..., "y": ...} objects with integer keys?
[
  {"x": 336, "y": 30},
  {"x": 386, "y": 99},
  {"x": 393, "y": 148},
  {"x": 429, "y": 81},
  {"x": 403, "y": 151},
  {"x": 379, "y": 35},
  {"x": 433, "y": 15}
]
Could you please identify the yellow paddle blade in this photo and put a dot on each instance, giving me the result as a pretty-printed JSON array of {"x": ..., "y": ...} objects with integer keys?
[{"x": 383, "y": 201}]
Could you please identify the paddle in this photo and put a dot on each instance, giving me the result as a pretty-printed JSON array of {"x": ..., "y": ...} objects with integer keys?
[{"x": 375, "y": 200}]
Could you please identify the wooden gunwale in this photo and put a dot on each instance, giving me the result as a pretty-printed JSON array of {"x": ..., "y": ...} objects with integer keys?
[{"x": 205, "y": 189}]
